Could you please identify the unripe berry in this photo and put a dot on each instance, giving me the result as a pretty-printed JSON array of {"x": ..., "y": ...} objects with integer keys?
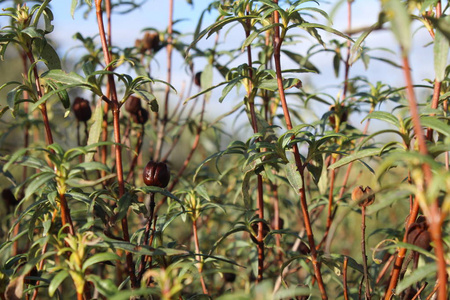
[
  {"x": 82, "y": 109},
  {"x": 363, "y": 196},
  {"x": 156, "y": 174}
]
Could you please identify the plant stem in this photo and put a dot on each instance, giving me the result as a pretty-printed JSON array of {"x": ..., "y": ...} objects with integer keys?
[
  {"x": 304, "y": 206},
  {"x": 363, "y": 249},
  {"x": 118, "y": 149},
  {"x": 147, "y": 234},
  {"x": 344, "y": 274},
  {"x": 162, "y": 129},
  {"x": 199, "y": 258}
]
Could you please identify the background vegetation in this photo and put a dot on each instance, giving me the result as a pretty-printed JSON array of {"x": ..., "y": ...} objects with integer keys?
[{"x": 121, "y": 180}]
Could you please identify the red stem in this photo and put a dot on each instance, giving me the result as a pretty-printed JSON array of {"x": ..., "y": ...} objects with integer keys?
[
  {"x": 304, "y": 206},
  {"x": 165, "y": 119},
  {"x": 118, "y": 149},
  {"x": 199, "y": 258}
]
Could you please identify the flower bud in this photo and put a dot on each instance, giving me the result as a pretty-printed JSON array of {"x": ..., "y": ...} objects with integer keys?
[
  {"x": 156, "y": 174},
  {"x": 133, "y": 105},
  {"x": 82, "y": 109},
  {"x": 363, "y": 196}
]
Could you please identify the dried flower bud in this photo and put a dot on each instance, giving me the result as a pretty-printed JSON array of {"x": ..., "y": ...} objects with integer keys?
[
  {"x": 280, "y": 223},
  {"x": 197, "y": 79},
  {"x": 82, "y": 109},
  {"x": 133, "y": 105},
  {"x": 156, "y": 174},
  {"x": 151, "y": 41},
  {"x": 266, "y": 230},
  {"x": 10, "y": 199},
  {"x": 229, "y": 277},
  {"x": 303, "y": 248},
  {"x": 419, "y": 235},
  {"x": 141, "y": 117},
  {"x": 339, "y": 110},
  {"x": 363, "y": 196}
]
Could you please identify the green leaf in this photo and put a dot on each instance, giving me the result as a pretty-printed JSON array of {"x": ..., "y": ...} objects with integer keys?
[
  {"x": 64, "y": 78},
  {"x": 73, "y": 6},
  {"x": 272, "y": 84},
  {"x": 56, "y": 282},
  {"x": 51, "y": 57},
  {"x": 155, "y": 189},
  {"x": 436, "y": 124},
  {"x": 105, "y": 286},
  {"x": 293, "y": 176},
  {"x": 32, "y": 32},
  {"x": 95, "y": 130},
  {"x": 398, "y": 15},
  {"x": 441, "y": 46},
  {"x": 355, "y": 156},
  {"x": 383, "y": 116},
  {"x": 37, "y": 182},
  {"x": 416, "y": 276},
  {"x": 96, "y": 258}
]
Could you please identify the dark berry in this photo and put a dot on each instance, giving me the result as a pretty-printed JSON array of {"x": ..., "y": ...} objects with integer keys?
[
  {"x": 82, "y": 109},
  {"x": 419, "y": 235},
  {"x": 133, "y": 105},
  {"x": 156, "y": 174},
  {"x": 197, "y": 79},
  {"x": 141, "y": 117}
]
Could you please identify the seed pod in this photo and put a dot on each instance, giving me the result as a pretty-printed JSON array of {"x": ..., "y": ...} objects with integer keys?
[
  {"x": 341, "y": 111},
  {"x": 141, "y": 117},
  {"x": 156, "y": 174},
  {"x": 133, "y": 105},
  {"x": 229, "y": 277},
  {"x": 82, "y": 109},
  {"x": 419, "y": 235},
  {"x": 363, "y": 196},
  {"x": 197, "y": 79},
  {"x": 266, "y": 230}
]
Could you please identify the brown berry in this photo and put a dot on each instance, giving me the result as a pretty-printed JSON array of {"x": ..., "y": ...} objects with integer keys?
[
  {"x": 363, "y": 196},
  {"x": 419, "y": 235},
  {"x": 156, "y": 174},
  {"x": 141, "y": 117},
  {"x": 133, "y": 105},
  {"x": 197, "y": 79},
  {"x": 82, "y": 109}
]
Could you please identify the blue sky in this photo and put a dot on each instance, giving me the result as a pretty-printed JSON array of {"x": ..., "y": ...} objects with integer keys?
[{"x": 154, "y": 13}]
